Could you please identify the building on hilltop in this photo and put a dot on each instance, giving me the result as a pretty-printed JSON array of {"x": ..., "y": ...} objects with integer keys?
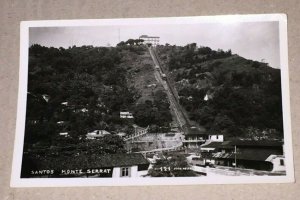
[{"x": 153, "y": 40}]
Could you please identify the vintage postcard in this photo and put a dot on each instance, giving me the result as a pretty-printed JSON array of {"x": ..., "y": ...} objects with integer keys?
[{"x": 153, "y": 101}]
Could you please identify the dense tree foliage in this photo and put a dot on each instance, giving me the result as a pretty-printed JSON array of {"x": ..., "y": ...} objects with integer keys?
[
  {"x": 155, "y": 113},
  {"x": 80, "y": 89},
  {"x": 173, "y": 166},
  {"x": 225, "y": 93}
]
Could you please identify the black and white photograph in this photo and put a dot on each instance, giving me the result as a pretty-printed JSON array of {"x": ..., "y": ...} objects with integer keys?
[{"x": 179, "y": 100}]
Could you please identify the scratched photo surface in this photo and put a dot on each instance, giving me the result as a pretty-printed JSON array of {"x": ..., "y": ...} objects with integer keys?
[{"x": 154, "y": 100}]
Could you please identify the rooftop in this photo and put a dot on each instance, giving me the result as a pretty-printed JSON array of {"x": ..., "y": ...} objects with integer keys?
[
  {"x": 260, "y": 143},
  {"x": 146, "y": 36},
  {"x": 197, "y": 131},
  {"x": 243, "y": 143},
  {"x": 225, "y": 144},
  {"x": 248, "y": 154},
  {"x": 91, "y": 161}
]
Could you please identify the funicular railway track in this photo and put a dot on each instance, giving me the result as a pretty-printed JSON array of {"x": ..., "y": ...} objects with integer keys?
[{"x": 181, "y": 117}]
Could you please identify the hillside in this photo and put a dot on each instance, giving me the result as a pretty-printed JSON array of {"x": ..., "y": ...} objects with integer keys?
[
  {"x": 225, "y": 93},
  {"x": 80, "y": 89}
]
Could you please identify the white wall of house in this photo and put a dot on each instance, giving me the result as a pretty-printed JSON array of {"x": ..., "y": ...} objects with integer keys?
[
  {"x": 278, "y": 163},
  {"x": 216, "y": 138},
  {"x": 207, "y": 149},
  {"x": 116, "y": 172},
  {"x": 133, "y": 171}
]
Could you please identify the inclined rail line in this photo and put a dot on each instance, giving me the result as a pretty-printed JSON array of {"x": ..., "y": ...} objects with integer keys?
[{"x": 185, "y": 124}]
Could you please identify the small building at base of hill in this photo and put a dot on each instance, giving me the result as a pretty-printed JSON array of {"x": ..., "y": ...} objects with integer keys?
[
  {"x": 259, "y": 155},
  {"x": 194, "y": 139}
]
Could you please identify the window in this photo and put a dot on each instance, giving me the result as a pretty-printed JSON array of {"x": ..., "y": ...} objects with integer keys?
[
  {"x": 125, "y": 172},
  {"x": 281, "y": 162},
  {"x": 217, "y": 137}
]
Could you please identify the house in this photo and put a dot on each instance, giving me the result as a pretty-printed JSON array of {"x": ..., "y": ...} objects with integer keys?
[
  {"x": 216, "y": 138},
  {"x": 60, "y": 122},
  {"x": 124, "y": 165},
  {"x": 109, "y": 166},
  {"x": 66, "y": 134},
  {"x": 278, "y": 162},
  {"x": 127, "y": 115},
  {"x": 210, "y": 148},
  {"x": 194, "y": 138},
  {"x": 217, "y": 146},
  {"x": 121, "y": 134},
  {"x": 65, "y": 103},
  {"x": 259, "y": 155},
  {"x": 84, "y": 110},
  {"x": 96, "y": 134},
  {"x": 153, "y": 40}
]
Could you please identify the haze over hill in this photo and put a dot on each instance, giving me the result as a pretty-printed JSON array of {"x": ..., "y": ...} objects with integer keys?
[{"x": 253, "y": 40}]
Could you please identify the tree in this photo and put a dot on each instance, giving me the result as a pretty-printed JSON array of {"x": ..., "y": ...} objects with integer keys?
[{"x": 175, "y": 166}]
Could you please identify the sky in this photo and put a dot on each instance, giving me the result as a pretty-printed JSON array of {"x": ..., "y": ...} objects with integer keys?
[{"x": 252, "y": 40}]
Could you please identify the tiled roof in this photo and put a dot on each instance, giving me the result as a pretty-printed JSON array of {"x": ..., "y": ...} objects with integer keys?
[
  {"x": 223, "y": 145},
  {"x": 119, "y": 160},
  {"x": 92, "y": 161},
  {"x": 196, "y": 131},
  {"x": 248, "y": 154},
  {"x": 243, "y": 143},
  {"x": 265, "y": 143}
]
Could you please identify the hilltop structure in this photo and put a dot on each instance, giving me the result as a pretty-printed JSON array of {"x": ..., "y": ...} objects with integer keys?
[{"x": 153, "y": 40}]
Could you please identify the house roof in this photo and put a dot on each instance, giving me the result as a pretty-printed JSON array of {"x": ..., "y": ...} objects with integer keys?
[
  {"x": 243, "y": 143},
  {"x": 118, "y": 160},
  {"x": 147, "y": 36},
  {"x": 260, "y": 143},
  {"x": 91, "y": 161},
  {"x": 98, "y": 132},
  {"x": 196, "y": 131},
  {"x": 223, "y": 145},
  {"x": 248, "y": 154}
]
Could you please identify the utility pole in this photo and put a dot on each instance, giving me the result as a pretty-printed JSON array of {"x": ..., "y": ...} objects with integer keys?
[{"x": 235, "y": 156}]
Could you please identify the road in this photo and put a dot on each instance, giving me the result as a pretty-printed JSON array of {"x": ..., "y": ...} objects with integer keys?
[
  {"x": 180, "y": 118},
  {"x": 231, "y": 171}
]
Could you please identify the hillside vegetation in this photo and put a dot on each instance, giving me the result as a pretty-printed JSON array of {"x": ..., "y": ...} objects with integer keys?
[
  {"x": 226, "y": 93},
  {"x": 80, "y": 89}
]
